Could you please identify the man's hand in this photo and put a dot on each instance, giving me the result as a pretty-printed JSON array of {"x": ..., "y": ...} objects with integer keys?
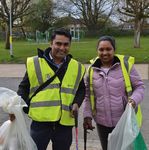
[
  {"x": 12, "y": 117},
  {"x": 88, "y": 123},
  {"x": 75, "y": 109},
  {"x": 132, "y": 102}
]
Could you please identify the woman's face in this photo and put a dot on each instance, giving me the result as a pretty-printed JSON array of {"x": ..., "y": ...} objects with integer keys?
[{"x": 105, "y": 52}]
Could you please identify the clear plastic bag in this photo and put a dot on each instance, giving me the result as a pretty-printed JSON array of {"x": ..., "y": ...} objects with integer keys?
[
  {"x": 125, "y": 132},
  {"x": 17, "y": 137}
]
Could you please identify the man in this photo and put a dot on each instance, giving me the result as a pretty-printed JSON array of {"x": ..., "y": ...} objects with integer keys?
[{"x": 52, "y": 109}]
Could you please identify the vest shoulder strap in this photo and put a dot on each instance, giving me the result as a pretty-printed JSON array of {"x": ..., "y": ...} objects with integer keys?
[{"x": 126, "y": 64}]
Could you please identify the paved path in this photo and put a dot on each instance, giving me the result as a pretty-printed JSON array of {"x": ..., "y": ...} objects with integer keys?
[
  {"x": 18, "y": 70},
  {"x": 11, "y": 75}
]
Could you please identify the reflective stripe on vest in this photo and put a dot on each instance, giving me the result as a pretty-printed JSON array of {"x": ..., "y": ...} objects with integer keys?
[
  {"x": 60, "y": 98},
  {"x": 38, "y": 70},
  {"x": 32, "y": 90},
  {"x": 126, "y": 64}
]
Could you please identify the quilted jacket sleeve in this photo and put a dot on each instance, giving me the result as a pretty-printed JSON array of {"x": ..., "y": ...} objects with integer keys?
[
  {"x": 137, "y": 85},
  {"x": 87, "y": 112}
]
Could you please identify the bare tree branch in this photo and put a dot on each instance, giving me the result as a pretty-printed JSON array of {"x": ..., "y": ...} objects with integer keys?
[
  {"x": 19, "y": 8},
  {"x": 138, "y": 10},
  {"x": 92, "y": 12}
]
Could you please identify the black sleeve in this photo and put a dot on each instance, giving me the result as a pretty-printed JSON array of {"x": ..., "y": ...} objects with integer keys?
[
  {"x": 80, "y": 94},
  {"x": 24, "y": 88}
]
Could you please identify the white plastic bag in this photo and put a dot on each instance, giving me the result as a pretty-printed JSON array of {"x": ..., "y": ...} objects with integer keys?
[
  {"x": 18, "y": 137},
  {"x": 125, "y": 132},
  {"x": 4, "y": 130}
]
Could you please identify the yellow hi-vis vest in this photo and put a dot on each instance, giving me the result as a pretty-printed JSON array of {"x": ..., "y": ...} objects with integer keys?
[
  {"x": 53, "y": 102},
  {"x": 126, "y": 65}
]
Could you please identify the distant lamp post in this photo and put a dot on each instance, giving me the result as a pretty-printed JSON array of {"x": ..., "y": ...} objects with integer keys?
[{"x": 10, "y": 26}]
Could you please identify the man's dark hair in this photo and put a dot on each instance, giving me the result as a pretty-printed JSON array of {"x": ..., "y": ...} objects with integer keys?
[{"x": 61, "y": 31}]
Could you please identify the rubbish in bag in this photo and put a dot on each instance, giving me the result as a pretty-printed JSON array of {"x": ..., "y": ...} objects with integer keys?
[
  {"x": 126, "y": 133},
  {"x": 16, "y": 135}
]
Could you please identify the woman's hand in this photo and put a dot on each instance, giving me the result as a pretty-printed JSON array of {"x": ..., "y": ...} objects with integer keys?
[
  {"x": 87, "y": 124},
  {"x": 132, "y": 102}
]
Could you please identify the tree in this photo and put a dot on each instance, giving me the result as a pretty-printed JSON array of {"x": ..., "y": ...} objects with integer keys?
[
  {"x": 137, "y": 11},
  {"x": 64, "y": 21},
  {"x": 19, "y": 8},
  {"x": 42, "y": 16},
  {"x": 92, "y": 12}
]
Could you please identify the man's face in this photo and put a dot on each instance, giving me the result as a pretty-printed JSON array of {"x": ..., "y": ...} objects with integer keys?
[{"x": 60, "y": 47}]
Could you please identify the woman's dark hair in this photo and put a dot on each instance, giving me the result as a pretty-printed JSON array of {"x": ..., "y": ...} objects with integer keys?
[
  {"x": 107, "y": 38},
  {"x": 61, "y": 31}
]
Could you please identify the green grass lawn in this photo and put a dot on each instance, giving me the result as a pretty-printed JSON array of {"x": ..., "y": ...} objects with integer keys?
[{"x": 82, "y": 51}]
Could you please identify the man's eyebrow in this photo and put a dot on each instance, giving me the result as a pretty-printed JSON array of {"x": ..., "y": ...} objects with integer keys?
[{"x": 59, "y": 42}]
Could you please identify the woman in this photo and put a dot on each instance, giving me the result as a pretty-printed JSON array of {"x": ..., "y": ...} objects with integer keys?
[{"x": 107, "y": 87}]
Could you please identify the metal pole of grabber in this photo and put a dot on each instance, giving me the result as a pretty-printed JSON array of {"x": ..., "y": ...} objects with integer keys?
[
  {"x": 85, "y": 138},
  {"x": 76, "y": 129}
]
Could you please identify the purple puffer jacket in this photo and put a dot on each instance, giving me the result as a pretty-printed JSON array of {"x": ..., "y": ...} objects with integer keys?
[{"x": 110, "y": 95}]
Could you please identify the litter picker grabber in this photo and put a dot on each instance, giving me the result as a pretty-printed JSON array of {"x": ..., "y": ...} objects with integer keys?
[
  {"x": 76, "y": 128},
  {"x": 85, "y": 138},
  {"x": 85, "y": 135}
]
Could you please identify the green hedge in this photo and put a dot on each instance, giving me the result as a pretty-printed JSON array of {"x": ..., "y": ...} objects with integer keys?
[{"x": 113, "y": 32}]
